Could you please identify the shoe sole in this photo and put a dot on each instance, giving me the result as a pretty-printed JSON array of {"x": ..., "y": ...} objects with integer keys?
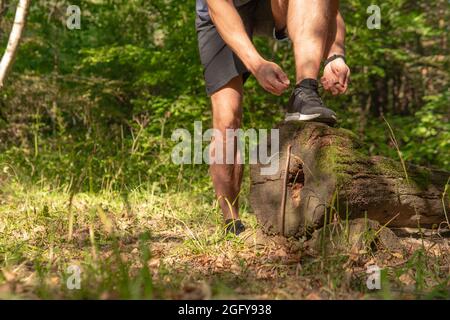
[{"x": 297, "y": 116}]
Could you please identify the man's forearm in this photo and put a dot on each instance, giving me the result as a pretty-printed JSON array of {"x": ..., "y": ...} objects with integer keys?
[
  {"x": 336, "y": 34},
  {"x": 231, "y": 28}
]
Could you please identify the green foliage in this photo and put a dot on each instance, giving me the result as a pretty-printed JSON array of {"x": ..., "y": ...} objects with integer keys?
[
  {"x": 431, "y": 135},
  {"x": 85, "y": 125},
  {"x": 95, "y": 108}
]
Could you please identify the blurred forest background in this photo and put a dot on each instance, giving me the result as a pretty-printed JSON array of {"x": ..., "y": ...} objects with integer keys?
[
  {"x": 86, "y": 118},
  {"x": 95, "y": 108}
]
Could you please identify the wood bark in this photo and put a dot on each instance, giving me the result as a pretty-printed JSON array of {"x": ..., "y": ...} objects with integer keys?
[
  {"x": 330, "y": 177},
  {"x": 14, "y": 40}
]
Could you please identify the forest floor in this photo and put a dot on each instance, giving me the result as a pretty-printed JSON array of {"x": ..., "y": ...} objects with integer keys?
[{"x": 145, "y": 244}]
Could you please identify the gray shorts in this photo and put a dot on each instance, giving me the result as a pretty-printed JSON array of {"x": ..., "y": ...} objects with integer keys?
[{"x": 220, "y": 63}]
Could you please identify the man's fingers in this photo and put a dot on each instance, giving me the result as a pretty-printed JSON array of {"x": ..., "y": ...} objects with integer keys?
[
  {"x": 279, "y": 81},
  {"x": 341, "y": 77},
  {"x": 279, "y": 85},
  {"x": 334, "y": 90},
  {"x": 278, "y": 89},
  {"x": 347, "y": 78},
  {"x": 282, "y": 77},
  {"x": 342, "y": 85},
  {"x": 325, "y": 83},
  {"x": 339, "y": 88},
  {"x": 273, "y": 90},
  {"x": 272, "y": 78},
  {"x": 329, "y": 84}
]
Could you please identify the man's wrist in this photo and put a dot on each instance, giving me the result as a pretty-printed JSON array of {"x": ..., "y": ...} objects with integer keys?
[
  {"x": 333, "y": 57},
  {"x": 254, "y": 63}
]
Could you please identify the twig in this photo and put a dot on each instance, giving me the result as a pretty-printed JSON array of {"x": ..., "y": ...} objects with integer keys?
[{"x": 283, "y": 198}]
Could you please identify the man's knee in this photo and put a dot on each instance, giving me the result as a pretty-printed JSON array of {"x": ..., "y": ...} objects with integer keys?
[
  {"x": 229, "y": 123},
  {"x": 224, "y": 139},
  {"x": 226, "y": 105},
  {"x": 227, "y": 113}
]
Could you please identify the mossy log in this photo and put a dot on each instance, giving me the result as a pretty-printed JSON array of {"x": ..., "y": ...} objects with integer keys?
[{"x": 330, "y": 176}]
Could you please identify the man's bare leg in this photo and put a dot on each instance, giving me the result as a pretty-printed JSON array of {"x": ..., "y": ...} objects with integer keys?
[
  {"x": 279, "y": 12},
  {"x": 307, "y": 24},
  {"x": 227, "y": 178}
]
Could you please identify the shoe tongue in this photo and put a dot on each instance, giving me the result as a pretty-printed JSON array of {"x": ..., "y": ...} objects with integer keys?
[{"x": 308, "y": 84}]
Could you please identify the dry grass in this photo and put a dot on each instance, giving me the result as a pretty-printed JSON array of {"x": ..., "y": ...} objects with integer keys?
[{"x": 150, "y": 245}]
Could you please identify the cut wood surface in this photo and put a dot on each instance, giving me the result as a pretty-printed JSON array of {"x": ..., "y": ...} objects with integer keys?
[{"x": 329, "y": 173}]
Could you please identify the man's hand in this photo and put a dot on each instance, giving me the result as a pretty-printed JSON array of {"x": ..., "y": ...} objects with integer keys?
[
  {"x": 232, "y": 30},
  {"x": 335, "y": 77},
  {"x": 271, "y": 77}
]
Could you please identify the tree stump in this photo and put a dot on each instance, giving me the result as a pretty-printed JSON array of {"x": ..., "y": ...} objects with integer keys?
[{"x": 330, "y": 177}]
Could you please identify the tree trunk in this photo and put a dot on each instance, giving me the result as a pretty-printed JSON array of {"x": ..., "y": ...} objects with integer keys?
[
  {"x": 330, "y": 177},
  {"x": 14, "y": 40},
  {"x": 3, "y": 8}
]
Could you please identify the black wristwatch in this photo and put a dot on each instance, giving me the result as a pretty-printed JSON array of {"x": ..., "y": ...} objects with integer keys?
[{"x": 333, "y": 57}]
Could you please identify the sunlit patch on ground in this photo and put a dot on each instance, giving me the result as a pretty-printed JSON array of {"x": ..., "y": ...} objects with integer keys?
[{"x": 149, "y": 245}]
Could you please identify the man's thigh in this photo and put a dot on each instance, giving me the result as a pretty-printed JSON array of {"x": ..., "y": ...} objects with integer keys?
[
  {"x": 263, "y": 18},
  {"x": 220, "y": 63}
]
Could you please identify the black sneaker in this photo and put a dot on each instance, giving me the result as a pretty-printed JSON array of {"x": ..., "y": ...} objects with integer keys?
[
  {"x": 305, "y": 104},
  {"x": 234, "y": 226}
]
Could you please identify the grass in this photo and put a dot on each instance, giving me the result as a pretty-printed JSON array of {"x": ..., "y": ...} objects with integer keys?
[
  {"x": 171, "y": 246},
  {"x": 146, "y": 243}
]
